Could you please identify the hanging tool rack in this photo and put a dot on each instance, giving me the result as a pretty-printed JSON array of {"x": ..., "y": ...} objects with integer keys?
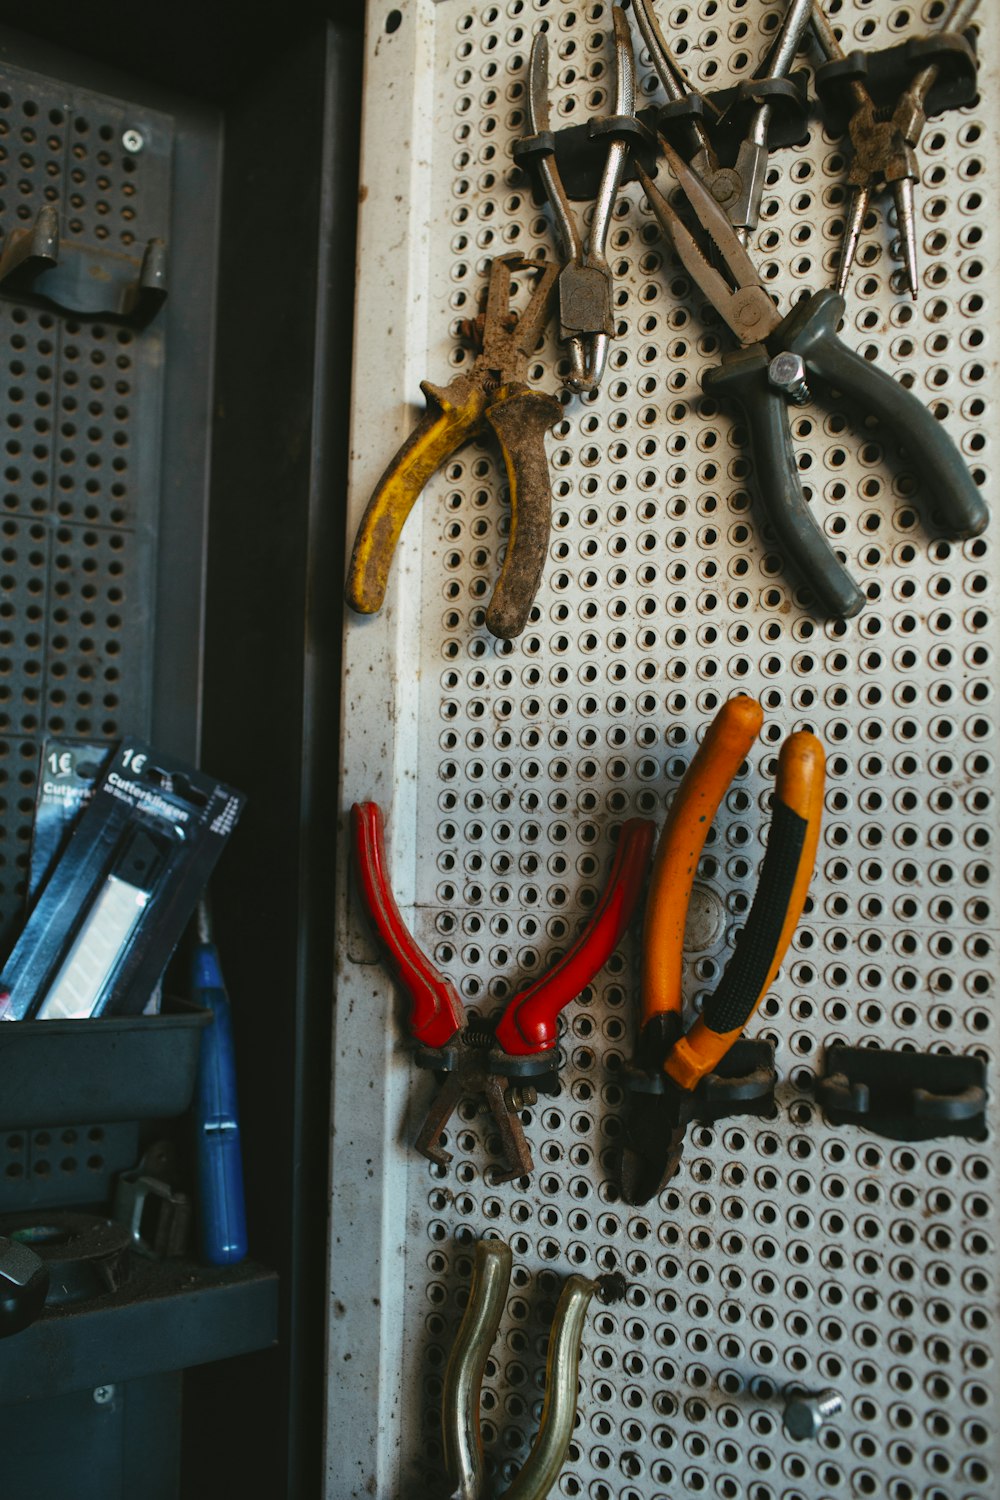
[{"x": 789, "y": 1254}]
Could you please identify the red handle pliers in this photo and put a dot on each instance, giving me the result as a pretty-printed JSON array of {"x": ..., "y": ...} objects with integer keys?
[{"x": 501, "y": 1061}]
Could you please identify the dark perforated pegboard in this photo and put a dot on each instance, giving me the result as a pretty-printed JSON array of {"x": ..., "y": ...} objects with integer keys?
[
  {"x": 80, "y": 414},
  {"x": 63, "y": 1164}
]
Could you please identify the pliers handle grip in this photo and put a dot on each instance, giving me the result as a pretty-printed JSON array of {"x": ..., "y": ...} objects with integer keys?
[
  {"x": 810, "y": 332},
  {"x": 719, "y": 756},
  {"x": 436, "y": 1011},
  {"x": 520, "y": 418},
  {"x": 528, "y": 1024},
  {"x": 777, "y": 906},
  {"x": 462, "y": 1440},
  {"x": 774, "y": 916},
  {"x": 454, "y": 413}
]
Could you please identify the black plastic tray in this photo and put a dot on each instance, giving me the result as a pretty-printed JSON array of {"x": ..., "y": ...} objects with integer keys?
[{"x": 104, "y": 1069}]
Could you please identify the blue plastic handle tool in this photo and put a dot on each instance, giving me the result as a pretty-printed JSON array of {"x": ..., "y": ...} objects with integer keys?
[{"x": 222, "y": 1225}]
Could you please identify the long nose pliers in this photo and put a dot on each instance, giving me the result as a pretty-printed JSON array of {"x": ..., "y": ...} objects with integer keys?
[
  {"x": 493, "y": 394},
  {"x": 498, "y": 1062},
  {"x": 737, "y": 189},
  {"x": 775, "y": 355},
  {"x": 586, "y": 319},
  {"x": 671, "y": 1062}
]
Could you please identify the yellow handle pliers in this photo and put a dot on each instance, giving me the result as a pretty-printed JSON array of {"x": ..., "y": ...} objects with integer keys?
[{"x": 495, "y": 394}]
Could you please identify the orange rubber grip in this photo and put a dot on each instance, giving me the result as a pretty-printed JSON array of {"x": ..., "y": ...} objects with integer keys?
[
  {"x": 774, "y": 916},
  {"x": 718, "y": 758}
]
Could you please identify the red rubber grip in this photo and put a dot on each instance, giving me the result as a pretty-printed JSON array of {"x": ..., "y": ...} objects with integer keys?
[
  {"x": 436, "y": 1011},
  {"x": 528, "y": 1025}
]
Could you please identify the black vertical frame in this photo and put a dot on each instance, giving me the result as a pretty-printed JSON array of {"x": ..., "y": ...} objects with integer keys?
[
  {"x": 250, "y": 564},
  {"x": 272, "y": 662}
]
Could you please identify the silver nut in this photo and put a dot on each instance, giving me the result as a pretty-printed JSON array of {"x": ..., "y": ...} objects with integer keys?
[
  {"x": 103, "y": 1394},
  {"x": 787, "y": 373},
  {"x": 133, "y": 141}
]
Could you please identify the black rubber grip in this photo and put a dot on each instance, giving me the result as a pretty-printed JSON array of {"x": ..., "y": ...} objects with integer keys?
[
  {"x": 742, "y": 377},
  {"x": 810, "y": 330},
  {"x": 756, "y": 90},
  {"x": 542, "y": 144},
  {"x": 622, "y": 127},
  {"x": 732, "y": 1004},
  {"x": 683, "y": 109}
]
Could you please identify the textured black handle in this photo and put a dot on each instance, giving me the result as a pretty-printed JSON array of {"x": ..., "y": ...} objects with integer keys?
[
  {"x": 740, "y": 987},
  {"x": 742, "y": 377},
  {"x": 810, "y": 330}
]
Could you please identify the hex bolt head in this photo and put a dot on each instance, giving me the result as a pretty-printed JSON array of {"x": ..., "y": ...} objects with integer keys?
[
  {"x": 133, "y": 141},
  {"x": 787, "y": 373},
  {"x": 725, "y": 186},
  {"x": 805, "y": 1414}
]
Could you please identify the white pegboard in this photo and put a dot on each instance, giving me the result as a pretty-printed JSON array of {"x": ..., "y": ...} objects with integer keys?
[{"x": 784, "y": 1251}]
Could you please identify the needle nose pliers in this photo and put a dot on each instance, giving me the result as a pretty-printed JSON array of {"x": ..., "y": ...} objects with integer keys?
[
  {"x": 883, "y": 143},
  {"x": 775, "y": 356},
  {"x": 586, "y": 320},
  {"x": 737, "y": 189},
  {"x": 494, "y": 393},
  {"x": 462, "y": 1439},
  {"x": 502, "y": 1061},
  {"x": 670, "y": 1063}
]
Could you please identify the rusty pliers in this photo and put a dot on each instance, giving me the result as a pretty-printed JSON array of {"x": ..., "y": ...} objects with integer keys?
[
  {"x": 494, "y": 393},
  {"x": 883, "y": 145},
  {"x": 502, "y": 1062},
  {"x": 586, "y": 319}
]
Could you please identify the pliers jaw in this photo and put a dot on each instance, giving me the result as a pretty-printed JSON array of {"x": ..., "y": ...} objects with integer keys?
[
  {"x": 883, "y": 140},
  {"x": 660, "y": 1111},
  {"x": 658, "y": 1117},
  {"x": 473, "y": 1067},
  {"x": 737, "y": 189}
]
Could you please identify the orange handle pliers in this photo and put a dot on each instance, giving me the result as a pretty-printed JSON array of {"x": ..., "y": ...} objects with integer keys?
[{"x": 671, "y": 1062}]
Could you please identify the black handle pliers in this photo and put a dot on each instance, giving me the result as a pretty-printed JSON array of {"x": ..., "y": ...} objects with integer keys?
[{"x": 771, "y": 366}]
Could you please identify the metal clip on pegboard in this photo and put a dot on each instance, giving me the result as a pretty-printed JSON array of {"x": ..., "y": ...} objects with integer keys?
[
  {"x": 79, "y": 279},
  {"x": 908, "y": 1096}
]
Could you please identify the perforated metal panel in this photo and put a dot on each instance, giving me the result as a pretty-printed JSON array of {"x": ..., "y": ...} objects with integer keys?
[
  {"x": 80, "y": 411},
  {"x": 63, "y": 1165},
  {"x": 785, "y": 1253}
]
